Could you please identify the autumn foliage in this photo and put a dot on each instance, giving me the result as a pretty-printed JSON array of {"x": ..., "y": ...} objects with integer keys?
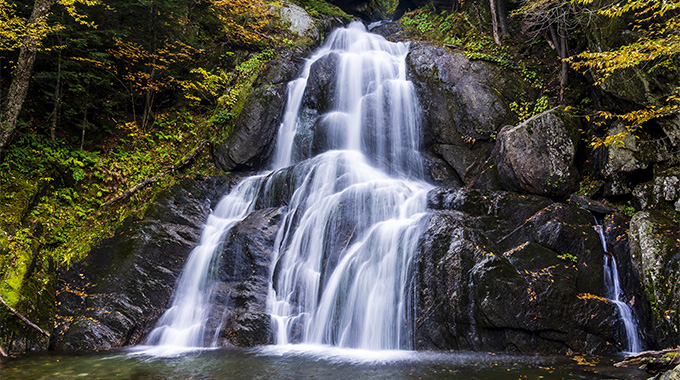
[
  {"x": 657, "y": 22},
  {"x": 244, "y": 21}
]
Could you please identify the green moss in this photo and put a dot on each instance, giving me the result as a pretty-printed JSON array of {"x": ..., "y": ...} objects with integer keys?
[
  {"x": 51, "y": 203},
  {"x": 231, "y": 104},
  {"x": 318, "y": 8}
]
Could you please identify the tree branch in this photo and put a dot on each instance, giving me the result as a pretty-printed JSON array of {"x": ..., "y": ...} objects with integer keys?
[
  {"x": 155, "y": 178},
  {"x": 23, "y": 319},
  {"x": 653, "y": 361}
]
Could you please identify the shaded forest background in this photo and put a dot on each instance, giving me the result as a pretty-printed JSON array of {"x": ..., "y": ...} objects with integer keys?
[{"x": 129, "y": 96}]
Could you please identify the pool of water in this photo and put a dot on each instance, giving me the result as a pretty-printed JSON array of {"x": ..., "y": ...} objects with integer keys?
[{"x": 300, "y": 362}]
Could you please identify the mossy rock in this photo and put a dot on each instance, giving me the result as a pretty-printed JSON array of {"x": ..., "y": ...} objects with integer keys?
[{"x": 655, "y": 249}]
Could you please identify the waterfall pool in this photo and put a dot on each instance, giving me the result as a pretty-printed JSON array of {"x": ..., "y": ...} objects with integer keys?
[{"x": 310, "y": 362}]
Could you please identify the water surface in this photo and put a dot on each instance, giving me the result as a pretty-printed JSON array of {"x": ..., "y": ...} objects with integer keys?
[{"x": 310, "y": 362}]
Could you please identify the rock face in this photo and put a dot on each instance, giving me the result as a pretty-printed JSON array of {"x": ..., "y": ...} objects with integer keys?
[
  {"x": 240, "y": 306},
  {"x": 299, "y": 20},
  {"x": 655, "y": 251},
  {"x": 673, "y": 374},
  {"x": 505, "y": 272},
  {"x": 251, "y": 140},
  {"x": 538, "y": 155},
  {"x": 662, "y": 191},
  {"x": 464, "y": 104},
  {"x": 495, "y": 270},
  {"x": 115, "y": 295},
  {"x": 367, "y": 10}
]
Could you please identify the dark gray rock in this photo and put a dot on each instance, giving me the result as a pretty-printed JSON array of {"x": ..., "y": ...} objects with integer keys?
[
  {"x": 251, "y": 139},
  {"x": 655, "y": 251},
  {"x": 464, "y": 103},
  {"x": 504, "y": 272},
  {"x": 387, "y": 29},
  {"x": 368, "y": 10},
  {"x": 590, "y": 204},
  {"x": 114, "y": 296},
  {"x": 538, "y": 155},
  {"x": 243, "y": 276},
  {"x": 663, "y": 190},
  {"x": 623, "y": 158}
]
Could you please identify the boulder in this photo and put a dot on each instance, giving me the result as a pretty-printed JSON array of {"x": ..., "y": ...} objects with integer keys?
[
  {"x": 299, "y": 21},
  {"x": 663, "y": 190},
  {"x": 623, "y": 158},
  {"x": 114, "y": 296},
  {"x": 538, "y": 155},
  {"x": 655, "y": 251},
  {"x": 464, "y": 104},
  {"x": 240, "y": 312},
  {"x": 499, "y": 271},
  {"x": 673, "y": 374}
]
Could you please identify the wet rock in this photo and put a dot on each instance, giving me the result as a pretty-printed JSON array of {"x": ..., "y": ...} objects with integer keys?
[
  {"x": 505, "y": 272},
  {"x": 464, "y": 104},
  {"x": 114, "y": 296},
  {"x": 387, "y": 29},
  {"x": 655, "y": 251},
  {"x": 321, "y": 84},
  {"x": 241, "y": 316},
  {"x": 251, "y": 139},
  {"x": 538, "y": 155}
]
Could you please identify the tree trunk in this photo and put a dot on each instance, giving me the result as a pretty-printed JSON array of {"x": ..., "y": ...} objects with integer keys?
[
  {"x": 494, "y": 22},
  {"x": 554, "y": 40},
  {"x": 564, "y": 74},
  {"x": 502, "y": 19},
  {"x": 57, "y": 101},
  {"x": 22, "y": 75},
  {"x": 148, "y": 104},
  {"x": 479, "y": 18},
  {"x": 85, "y": 122}
]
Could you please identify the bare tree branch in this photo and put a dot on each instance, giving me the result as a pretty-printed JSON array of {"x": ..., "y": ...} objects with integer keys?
[
  {"x": 23, "y": 319},
  {"x": 155, "y": 178}
]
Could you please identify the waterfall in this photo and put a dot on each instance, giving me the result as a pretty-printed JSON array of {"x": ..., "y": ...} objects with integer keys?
[
  {"x": 181, "y": 327},
  {"x": 343, "y": 253},
  {"x": 345, "y": 247},
  {"x": 614, "y": 293}
]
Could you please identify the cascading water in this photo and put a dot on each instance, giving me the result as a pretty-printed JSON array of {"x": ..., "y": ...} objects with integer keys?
[
  {"x": 345, "y": 246},
  {"x": 181, "y": 327},
  {"x": 349, "y": 232},
  {"x": 614, "y": 293}
]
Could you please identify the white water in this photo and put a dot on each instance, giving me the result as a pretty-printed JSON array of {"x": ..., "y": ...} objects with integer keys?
[
  {"x": 612, "y": 285},
  {"x": 181, "y": 327},
  {"x": 349, "y": 232},
  {"x": 341, "y": 276}
]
